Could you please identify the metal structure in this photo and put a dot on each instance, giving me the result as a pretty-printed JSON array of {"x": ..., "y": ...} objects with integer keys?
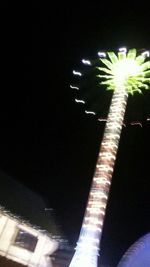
[{"x": 125, "y": 73}]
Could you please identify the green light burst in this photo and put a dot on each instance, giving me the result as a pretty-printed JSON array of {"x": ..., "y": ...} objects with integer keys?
[{"x": 125, "y": 70}]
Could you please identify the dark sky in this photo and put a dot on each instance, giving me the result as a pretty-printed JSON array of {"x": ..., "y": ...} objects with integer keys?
[{"x": 47, "y": 141}]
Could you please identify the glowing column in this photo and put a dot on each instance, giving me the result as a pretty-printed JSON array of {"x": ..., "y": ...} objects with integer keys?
[{"x": 87, "y": 249}]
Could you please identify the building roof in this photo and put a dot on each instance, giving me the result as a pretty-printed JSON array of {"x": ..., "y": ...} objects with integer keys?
[{"x": 26, "y": 204}]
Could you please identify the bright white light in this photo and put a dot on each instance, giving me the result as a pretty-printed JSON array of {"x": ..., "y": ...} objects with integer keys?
[
  {"x": 146, "y": 54},
  {"x": 103, "y": 167},
  {"x": 125, "y": 72},
  {"x": 93, "y": 210},
  {"x": 87, "y": 247},
  {"x": 99, "y": 195},
  {"x": 96, "y": 206},
  {"x": 101, "y": 180},
  {"x": 90, "y": 112},
  {"x": 101, "y": 54},
  {"x": 107, "y": 154},
  {"x": 89, "y": 239},
  {"x": 123, "y": 69},
  {"x": 74, "y": 87},
  {"x": 77, "y": 73},
  {"x": 148, "y": 119},
  {"x": 92, "y": 227},
  {"x": 93, "y": 221},
  {"x": 86, "y": 62},
  {"x": 123, "y": 49},
  {"x": 109, "y": 144},
  {"x": 84, "y": 259},
  {"x": 80, "y": 101}
]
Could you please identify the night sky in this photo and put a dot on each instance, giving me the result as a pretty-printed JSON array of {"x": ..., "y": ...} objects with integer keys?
[{"x": 47, "y": 141}]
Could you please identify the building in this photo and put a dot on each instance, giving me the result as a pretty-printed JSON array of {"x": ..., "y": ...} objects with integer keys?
[{"x": 27, "y": 228}]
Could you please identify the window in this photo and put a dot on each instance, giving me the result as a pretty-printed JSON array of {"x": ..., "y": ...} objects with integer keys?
[{"x": 25, "y": 240}]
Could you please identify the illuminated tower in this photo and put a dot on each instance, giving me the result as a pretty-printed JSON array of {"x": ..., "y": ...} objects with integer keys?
[{"x": 126, "y": 73}]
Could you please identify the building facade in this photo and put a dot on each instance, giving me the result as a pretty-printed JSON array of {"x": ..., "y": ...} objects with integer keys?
[
  {"x": 23, "y": 243},
  {"x": 27, "y": 228}
]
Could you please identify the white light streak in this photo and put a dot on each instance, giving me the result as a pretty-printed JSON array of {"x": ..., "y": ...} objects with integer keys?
[
  {"x": 109, "y": 144},
  {"x": 80, "y": 101},
  {"x": 102, "y": 119},
  {"x": 103, "y": 167},
  {"x": 136, "y": 123},
  {"x": 90, "y": 112},
  {"x": 93, "y": 210},
  {"x": 95, "y": 220},
  {"x": 101, "y": 180},
  {"x": 148, "y": 119},
  {"x": 77, "y": 73},
  {"x": 99, "y": 195},
  {"x": 86, "y": 62},
  {"x": 107, "y": 155},
  {"x": 101, "y": 54},
  {"x": 146, "y": 53},
  {"x": 113, "y": 136},
  {"x": 123, "y": 49},
  {"x": 74, "y": 87},
  {"x": 96, "y": 205},
  {"x": 115, "y": 109},
  {"x": 114, "y": 125}
]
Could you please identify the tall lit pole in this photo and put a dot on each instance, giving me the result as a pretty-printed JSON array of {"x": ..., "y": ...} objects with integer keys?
[{"x": 125, "y": 74}]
